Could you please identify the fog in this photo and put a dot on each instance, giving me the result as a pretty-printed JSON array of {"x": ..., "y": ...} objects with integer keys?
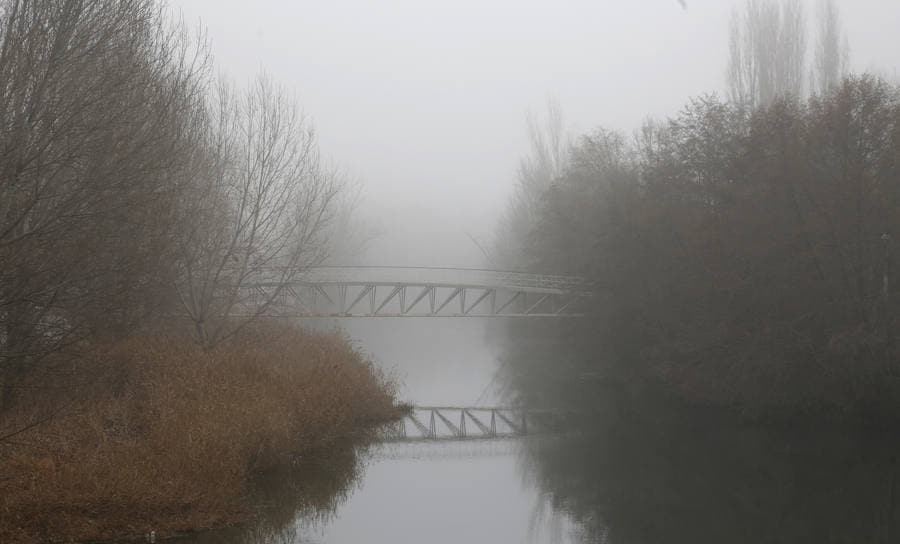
[
  {"x": 425, "y": 102},
  {"x": 650, "y": 289},
  {"x": 424, "y": 106}
]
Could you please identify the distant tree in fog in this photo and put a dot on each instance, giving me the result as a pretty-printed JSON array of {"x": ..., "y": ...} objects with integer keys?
[
  {"x": 767, "y": 52},
  {"x": 349, "y": 233},
  {"x": 544, "y": 163},
  {"x": 767, "y": 49},
  {"x": 832, "y": 49}
]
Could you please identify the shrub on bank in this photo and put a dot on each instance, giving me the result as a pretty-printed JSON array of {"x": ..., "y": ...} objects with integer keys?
[{"x": 172, "y": 435}]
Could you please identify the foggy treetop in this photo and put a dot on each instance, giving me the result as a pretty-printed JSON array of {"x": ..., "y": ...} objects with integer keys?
[{"x": 425, "y": 102}]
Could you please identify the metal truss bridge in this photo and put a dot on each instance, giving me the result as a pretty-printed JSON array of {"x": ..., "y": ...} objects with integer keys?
[
  {"x": 455, "y": 423},
  {"x": 419, "y": 292}
]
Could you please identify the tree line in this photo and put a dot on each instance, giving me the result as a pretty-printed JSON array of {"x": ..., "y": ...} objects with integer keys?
[
  {"x": 742, "y": 251},
  {"x": 137, "y": 187},
  {"x": 742, "y": 257}
]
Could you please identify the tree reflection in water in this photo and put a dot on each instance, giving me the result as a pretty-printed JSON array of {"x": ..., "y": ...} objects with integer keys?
[
  {"x": 291, "y": 502},
  {"x": 645, "y": 470},
  {"x": 688, "y": 479}
]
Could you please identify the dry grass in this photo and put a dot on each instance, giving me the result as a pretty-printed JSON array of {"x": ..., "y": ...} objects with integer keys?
[{"x": 172, "y": 437}]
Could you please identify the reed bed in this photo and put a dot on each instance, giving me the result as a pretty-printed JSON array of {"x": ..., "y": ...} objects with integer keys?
[{"x": 170, "y": 437}]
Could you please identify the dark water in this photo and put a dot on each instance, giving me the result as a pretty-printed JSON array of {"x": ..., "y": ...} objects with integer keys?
[
  {"x": 620, "y": 473},
  {"x": 630, "y": 481},
  {"x": 619, "y": 482}
]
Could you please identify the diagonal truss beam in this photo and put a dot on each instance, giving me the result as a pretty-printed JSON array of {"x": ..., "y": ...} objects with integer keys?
[
  {"x": 340, "y": 292},
  {"x": 426, "y": 432},
  {"x": 397, "y": 290},
  {"x": 485, "y": 430},
  {"x": 365, "y": 291},
  {"x": 456, "y": 292},
  {"x": 487, "y": 292},
  {"x": 456, "y": 430},
  {"x": 427, "y": 290}
]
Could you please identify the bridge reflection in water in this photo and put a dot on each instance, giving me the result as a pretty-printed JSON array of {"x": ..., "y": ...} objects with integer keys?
[
  {"x": 462, "y": 423},
  {"x": 427, "y": 450}
]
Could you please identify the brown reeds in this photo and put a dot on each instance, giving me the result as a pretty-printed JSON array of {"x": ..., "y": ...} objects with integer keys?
[{"x": 171, "y": 436}]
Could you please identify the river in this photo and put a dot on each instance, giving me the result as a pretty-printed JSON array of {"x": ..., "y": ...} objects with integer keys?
[
  {"x": 439, "y": 492},
  {"x": 447, "y": 492},
  {"x": 673, "y": 476}
]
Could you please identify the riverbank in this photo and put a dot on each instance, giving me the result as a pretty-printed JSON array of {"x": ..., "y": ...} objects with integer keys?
[
  {"x": 171, "y": 438},
  {"x": 587, "y": 375}
]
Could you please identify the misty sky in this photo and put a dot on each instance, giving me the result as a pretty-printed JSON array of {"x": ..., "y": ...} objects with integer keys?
[{"x": 424, "y": 102}]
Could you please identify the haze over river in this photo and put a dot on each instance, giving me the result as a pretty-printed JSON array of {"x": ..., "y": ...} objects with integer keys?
[
  {"x": 436, "y": 492},
  {"x": 678, "y": 476}
]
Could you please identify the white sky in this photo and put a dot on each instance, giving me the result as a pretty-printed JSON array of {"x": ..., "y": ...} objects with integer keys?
[{"x": 424, "y": 101}]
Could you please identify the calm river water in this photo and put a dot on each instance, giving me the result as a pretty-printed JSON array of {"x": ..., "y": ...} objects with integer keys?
[
  {"x": 673, "y": 477},
  {"x": 427, "y": 492}
]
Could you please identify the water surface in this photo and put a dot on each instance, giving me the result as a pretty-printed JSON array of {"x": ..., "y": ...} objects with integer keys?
[{"x": 622, "y": 473}]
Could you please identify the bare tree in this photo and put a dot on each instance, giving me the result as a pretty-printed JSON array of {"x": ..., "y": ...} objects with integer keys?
[
  {"x": 544, "y": 163},
  {"x": 767, "y": 48},
  {"x": 92, "y": 101},
  {"x": 257, "y": 211},
  {"x": 349, "y": 233},
  {"x": 832, "y": 50}
]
